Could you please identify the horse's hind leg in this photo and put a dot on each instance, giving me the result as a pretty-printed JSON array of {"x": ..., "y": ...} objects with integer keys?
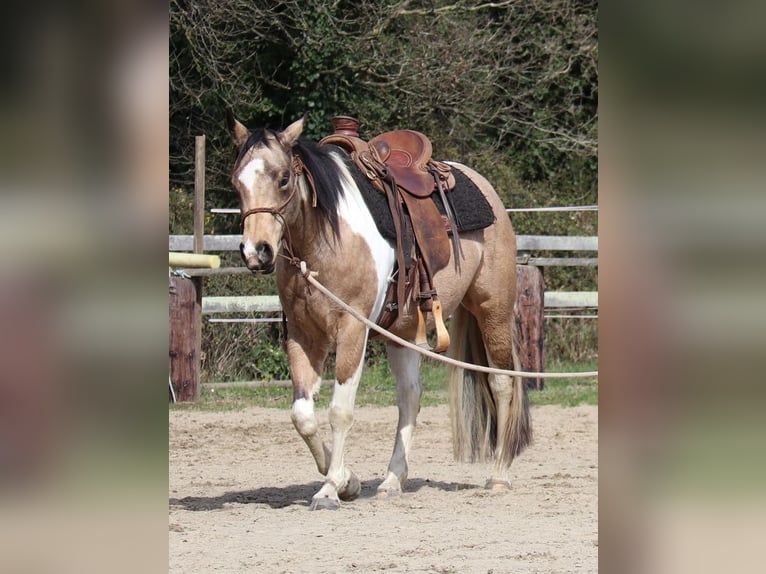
[
  {"x": 512, "y": 414},
  {"x": 405, "y": 364},
  {"x": 501, "y": 387},
  {"x": 509, "y": 406}
]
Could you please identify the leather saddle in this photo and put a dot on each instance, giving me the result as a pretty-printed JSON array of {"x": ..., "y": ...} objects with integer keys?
[{"x": 399, "y": 165}]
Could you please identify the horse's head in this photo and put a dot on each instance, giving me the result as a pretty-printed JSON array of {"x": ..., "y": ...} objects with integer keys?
[{"x": 266, "y": 182}]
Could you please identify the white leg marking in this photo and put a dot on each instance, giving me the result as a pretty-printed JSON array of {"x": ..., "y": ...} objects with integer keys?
[
  {"x": 341, "y": 420},
  {"x": 303, "y": 417},
  {"x": 405, "y": 364},
  {"x": 502, "y": 390},
  {"x": 249, "y": 174},
  {"x": 305, "y": 423}
]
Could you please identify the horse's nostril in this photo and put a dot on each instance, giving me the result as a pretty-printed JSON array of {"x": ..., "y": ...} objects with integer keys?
[{"x": 265, "y": 253}]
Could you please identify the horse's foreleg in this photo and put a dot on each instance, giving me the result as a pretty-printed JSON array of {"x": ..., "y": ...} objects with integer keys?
[
  {"x": 305, "y": 422},
  {"x": 341, "y": 483},
  {"x": 306, "y": 376},
  {"x": 405, "y": 365}
]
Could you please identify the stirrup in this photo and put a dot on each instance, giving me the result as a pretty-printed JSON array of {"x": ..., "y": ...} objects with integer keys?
[
  {"x": 421, "y": 340},
  {"x": 442, "y": 335}
]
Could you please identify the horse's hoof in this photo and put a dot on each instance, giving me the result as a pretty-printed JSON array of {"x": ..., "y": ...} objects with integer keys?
[
  {"x": 353, "y": 489},
  {"x": 324, "y": 503},
  {"x": 391, "y": 487},
  {"x": 389, "y": 492},
  {"x": 495, "y": 485}
]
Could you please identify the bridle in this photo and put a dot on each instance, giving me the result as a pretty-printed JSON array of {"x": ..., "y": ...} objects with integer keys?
[
  {"x": 278, "y": 212},
  {"x": 299, "y": 168}
]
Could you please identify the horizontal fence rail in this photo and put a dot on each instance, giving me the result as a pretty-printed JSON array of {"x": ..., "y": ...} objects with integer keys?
[
  {"x": 243, "y": 304},
  {"x": 523, "y": 243},
  {"x": 571, "y": 299},
  {"x": 236, "y": 210},
  {"x": 270, "y": 303},
  {"x": 550, "y": 209},
  {"x": 522, "y": 260}
]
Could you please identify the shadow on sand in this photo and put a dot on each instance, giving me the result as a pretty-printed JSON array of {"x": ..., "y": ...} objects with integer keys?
[{"x": 300, "y": 494}]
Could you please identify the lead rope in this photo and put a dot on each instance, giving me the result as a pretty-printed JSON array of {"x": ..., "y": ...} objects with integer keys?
[{"x": 310, "y": 276}]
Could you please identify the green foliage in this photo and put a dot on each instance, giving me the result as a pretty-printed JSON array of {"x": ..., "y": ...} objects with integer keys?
[
  {"x": 220, "y": 398},
  {"x": 181, "y": 211},
  {"x": 379, "y": 384},
  {"x": 574, "y": 340},
  {"x": 514, "y": 85},
  {"x": 270, "y": 362},
  {"x": 568, "y": 392}
]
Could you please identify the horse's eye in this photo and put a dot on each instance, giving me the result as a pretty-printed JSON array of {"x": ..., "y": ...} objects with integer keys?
[{"x": 284, "y": 181}]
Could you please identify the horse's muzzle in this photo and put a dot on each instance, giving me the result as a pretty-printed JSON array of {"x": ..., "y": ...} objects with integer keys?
[{"x": 259, "y": 260}]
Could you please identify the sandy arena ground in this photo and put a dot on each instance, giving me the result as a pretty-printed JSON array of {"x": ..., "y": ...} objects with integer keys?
[{"x": 240, "y": 483}]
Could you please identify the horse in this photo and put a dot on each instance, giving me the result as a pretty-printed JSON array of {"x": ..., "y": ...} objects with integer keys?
[{"x": 317, "y": 215}]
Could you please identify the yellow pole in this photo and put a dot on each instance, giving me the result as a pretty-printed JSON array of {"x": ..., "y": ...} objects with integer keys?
[{"x": 194, "y": 260}]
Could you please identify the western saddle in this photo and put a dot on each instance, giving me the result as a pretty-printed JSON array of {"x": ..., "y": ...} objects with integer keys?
[{"x": 399, "y": 165}]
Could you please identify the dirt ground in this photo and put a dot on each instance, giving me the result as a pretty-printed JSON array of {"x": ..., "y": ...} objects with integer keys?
[{"x": 240, "y": 483}]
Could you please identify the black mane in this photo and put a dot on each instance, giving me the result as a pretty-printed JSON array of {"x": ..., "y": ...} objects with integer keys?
[{"x": 328, "y": 180}]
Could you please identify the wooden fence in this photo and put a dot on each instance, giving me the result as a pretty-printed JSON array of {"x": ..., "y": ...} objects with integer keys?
[{"x": 188, "y": 305}]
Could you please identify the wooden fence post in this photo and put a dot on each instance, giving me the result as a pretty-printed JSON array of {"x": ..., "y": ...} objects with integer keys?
[
  {"x": 186, "y": 301},
  {"x": 185, "y": 337},
  {"x": 528, "y": 321},
  {"x": 199, "y": 193}
]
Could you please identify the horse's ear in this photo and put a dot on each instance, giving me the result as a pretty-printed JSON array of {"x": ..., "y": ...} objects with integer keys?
[
  {"x": 291, "y": 133},
  {"x": 238, "y": 132}
]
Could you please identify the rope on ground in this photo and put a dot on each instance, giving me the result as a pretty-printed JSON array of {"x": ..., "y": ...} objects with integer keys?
[{"x": 311, "y": 278}]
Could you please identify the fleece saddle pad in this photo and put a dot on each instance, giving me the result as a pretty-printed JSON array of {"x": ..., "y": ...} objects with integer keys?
[{"x": 471, "y": 209}]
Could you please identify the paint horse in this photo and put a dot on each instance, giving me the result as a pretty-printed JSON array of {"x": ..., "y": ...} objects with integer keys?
[{"x": 325, "y": 222}]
